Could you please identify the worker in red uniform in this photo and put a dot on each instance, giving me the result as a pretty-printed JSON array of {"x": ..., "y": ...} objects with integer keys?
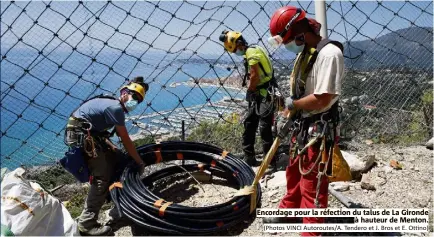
[{"x": 315, "y": 89}]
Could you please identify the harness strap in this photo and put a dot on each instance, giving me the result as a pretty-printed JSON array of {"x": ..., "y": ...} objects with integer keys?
[
  {"x": 246, "y": 70},
  {"x": 299, "y": 88},
  {"x": 76, "y": 124}
]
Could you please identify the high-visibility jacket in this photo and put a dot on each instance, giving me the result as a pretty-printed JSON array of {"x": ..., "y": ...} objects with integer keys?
[{"x": 255, "y": 54}]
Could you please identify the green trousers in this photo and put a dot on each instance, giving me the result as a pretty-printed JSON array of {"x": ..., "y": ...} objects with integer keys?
[{"x": 102, "y": 169}]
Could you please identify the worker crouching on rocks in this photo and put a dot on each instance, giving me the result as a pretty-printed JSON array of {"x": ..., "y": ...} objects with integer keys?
[
  {"x": 259, "y": 71},
  {"x": 87, "y": 129},
  {"x": 315, "y": 89}
]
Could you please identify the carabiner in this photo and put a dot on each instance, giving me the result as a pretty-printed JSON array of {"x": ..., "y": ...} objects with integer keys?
[
  {"x": 296, "y": 125},
  {"x": 90, "y": 126},
  {"x": 322, "y": 118}
]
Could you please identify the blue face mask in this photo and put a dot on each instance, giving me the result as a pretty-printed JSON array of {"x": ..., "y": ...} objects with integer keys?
[
  {"x": 240, "y": 52},
  {"x": 130, "y": 105},
  {"x": 293, "y": 47}
]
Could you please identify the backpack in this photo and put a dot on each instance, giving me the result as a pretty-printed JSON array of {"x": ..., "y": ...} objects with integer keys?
[{"x": 73, "y": 160}]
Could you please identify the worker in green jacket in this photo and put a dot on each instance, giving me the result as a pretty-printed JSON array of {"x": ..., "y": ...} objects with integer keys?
[{"x": 259, "y": 71}]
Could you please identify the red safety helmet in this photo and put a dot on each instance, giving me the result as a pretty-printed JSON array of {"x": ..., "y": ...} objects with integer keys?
[{"x": 282, "y": 21}]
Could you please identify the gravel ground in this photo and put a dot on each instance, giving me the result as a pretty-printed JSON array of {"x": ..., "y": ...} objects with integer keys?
[{"x": 410, "y": 187}]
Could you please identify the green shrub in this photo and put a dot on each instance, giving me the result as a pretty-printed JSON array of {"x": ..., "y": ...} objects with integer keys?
[
  {"x": 76, "y": 202},
  {"x": 420, "y": 127},
  {"x": 427, "y": 103},
  {"x": 144, "y": 141},
  {"x": 50, "y": 177},
  {"x": 226, "y": 134}
]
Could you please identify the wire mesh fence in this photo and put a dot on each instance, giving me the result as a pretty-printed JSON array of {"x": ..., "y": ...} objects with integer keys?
[{"x": 56, "y": 54}]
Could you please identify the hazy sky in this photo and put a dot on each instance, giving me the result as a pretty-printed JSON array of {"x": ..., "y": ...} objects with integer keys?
[{"x": 186, "y": 24}]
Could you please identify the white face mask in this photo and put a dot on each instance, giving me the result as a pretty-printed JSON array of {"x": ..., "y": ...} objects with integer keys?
[
  {"x": 293, "y": 47},
  {"x": 240, "y": 52},
  {"x": 130, "y": 105}
]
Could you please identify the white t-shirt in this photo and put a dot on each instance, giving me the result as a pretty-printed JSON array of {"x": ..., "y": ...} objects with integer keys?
[{"x": 326, "y": 76}]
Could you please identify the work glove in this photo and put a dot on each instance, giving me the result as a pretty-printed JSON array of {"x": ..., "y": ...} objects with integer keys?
[
  {"x": 289, "y": 103},
  {"x": 283, "y": 125},
  {"x": 251, "y": 96}
]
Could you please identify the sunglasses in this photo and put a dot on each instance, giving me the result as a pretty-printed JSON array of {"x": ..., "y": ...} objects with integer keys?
[{"x": 135, "y": 96}]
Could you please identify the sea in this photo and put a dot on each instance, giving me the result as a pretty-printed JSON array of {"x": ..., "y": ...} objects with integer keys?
[{"x": 39, "y": 92}]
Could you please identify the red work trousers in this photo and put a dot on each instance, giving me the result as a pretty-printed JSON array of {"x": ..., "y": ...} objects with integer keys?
[{"x": 301, "y": 189}]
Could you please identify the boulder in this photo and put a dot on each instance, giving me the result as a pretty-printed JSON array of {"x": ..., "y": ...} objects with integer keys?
[
  {"x": 358, "y": 165},
  {"x": 430, "y": 144}
]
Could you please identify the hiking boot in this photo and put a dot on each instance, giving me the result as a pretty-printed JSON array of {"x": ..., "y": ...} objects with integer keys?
[
  {"x": 97, "y": 230},
  {"x": 115, "y": 225}
]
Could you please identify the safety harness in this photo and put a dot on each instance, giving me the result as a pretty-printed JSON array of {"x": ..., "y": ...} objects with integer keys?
[
  {"x": 323, "y": 127},
  {"x": 80, "y": 138},
  {"x": 81, "y": 130},
  {"x": 271, "y": 86}
]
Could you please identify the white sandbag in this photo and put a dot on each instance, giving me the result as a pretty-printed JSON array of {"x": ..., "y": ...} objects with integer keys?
[{"x": 26, "y": 209}]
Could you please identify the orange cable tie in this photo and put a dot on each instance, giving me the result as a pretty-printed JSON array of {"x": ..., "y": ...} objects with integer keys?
[
  {"x": 163, "y": 208},
  {"x": 158, "y": 203},
  {"x": 158, "y": 155},
  {"x": 224, "y": 154},
  {"x": 115, "y": 185}
]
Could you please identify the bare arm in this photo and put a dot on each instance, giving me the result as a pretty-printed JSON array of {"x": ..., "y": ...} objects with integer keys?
[
  {"x": 254, "y": 77},
  {"x": 128, "y": 144},
  {"x": 312, "y": 102}
]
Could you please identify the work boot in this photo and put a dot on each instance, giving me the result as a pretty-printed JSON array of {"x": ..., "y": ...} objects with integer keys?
[
  {"x": 250, "y": 160},
  {"x": 97, "y": 230}
]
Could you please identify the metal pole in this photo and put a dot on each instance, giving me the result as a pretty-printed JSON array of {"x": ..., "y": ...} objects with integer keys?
[
  {"x": 183, "y": 130},
  {"x": 321, "y": 17},
  {"x": 182, "y": 136}
]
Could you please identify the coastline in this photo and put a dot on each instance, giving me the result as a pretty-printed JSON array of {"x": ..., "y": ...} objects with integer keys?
[
  {"x": 232, "y": 83},
  {"x": 161, "y": 128}
]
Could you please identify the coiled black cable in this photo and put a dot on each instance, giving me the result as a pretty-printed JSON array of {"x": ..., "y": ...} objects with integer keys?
[{"x": 136, "y": 202}]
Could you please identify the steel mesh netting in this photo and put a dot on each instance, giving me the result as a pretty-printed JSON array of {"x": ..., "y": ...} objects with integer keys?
[
  {"x": 56, "y": 54},
  {"x": 389, "y": 56}
]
